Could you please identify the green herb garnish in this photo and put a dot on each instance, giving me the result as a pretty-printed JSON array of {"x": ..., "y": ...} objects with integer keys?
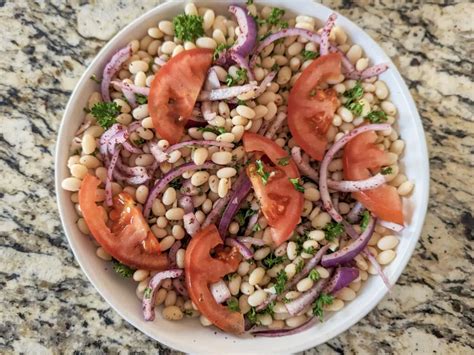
[
  {"x": 252, "y": 315},
  {"x": 249, "y": 2},
  {"x": 284, "y": 161},
  {"x": 256, "y": 228},
  {"x": 219, "y": 49},
  {"x": 275, "y": 17},
  {"x": 105, "y": 113},
  {"x": 233, "y": 305},
  {"x": 147, "y": 293},
  {"x": 271, "y": 260},
  {"x": 386, "y": 171},
  {"x": 243, "y": 215},
  {"x": 310, "y": 250},
  {"x": 139, "y": 141},
  {"x": 318, "y": 305},
  {"x": 376, "y": 116},
  {"x": 122, "y": 269},
  {"x": 365, "y": 220},
  {"x": 94, "y": 78},
  {"x": 355, "y": 107},
  {"x": 353, "y": 95},
  {"x": 188, "y": 27},
  {"x": 280, "y": 282},
  {"x": 215, "y": 130},
  {"x": 176, "y": 183},
  {"x": 297, "y": 185},
  {"x": 275, "y": 67},
  {"x": 333, "y": 230},
  {"x": 260, "y": 171},
  {"x": 314, "y": 275},
  {"x": 141, "y": 99},
  {"x": 299, "y": 266},
  {"x": 241, "y": 76},
  {"x": 307, "y": 55}
]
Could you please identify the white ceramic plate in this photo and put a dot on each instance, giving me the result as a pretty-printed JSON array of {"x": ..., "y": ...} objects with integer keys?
[{"x": 188, "y": 335}]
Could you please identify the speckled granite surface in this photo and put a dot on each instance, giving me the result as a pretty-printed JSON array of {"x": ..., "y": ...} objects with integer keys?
[{"x": 48, "y": 306}]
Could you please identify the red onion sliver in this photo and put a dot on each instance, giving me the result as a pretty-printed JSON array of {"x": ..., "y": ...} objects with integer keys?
[
  {"x": 324, "y": 45},
  {"x": 189, "y": 189},
  {"x": 186, "y": 203},
  {"x": 350, "y": 251},
  {"x": 392, "y": 226},
  {"x": 357, "y": 185},
  {"x": 132, "y": 149},
  {"x": 180, "y": 288},
  {"x": 218, "y": 208},
  {"x": 276, "y": 124},
  {"x": 369, "y": 72},
  {"x": 172, "y": 253},
  {"x": 252, "y": 222},
  {"x": 243, "y": 250},
  {"x": 265, "y": 83},
  {"x": 323, "y": 177},
  {"x": 108, "y": 179},
  {"x": 245, "y": 42},
  {"x": 191, "y": 224},
  {"x": 161, "y": 184},
  {"x": 354, "y": 214},
  {"x": 220, "y": 291},
  {"x": 342, "y": 278},
  {"x": 250, "y": 240},
  {"x": 303, "y": 166},
  {"x": 140, "y": 90},
  {"x": 212, "y": 82},
  {"x": 160, "y": 61},
  {"x": 225, "y": 92},
  {"x": 112, "y": 67},
  {"x": 243, "y": 63},
  {"x": 296, "y": 306},
  {"x": 148, "y": 302}
]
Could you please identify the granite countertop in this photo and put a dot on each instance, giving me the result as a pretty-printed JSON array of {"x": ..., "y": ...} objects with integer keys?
[{"x": 47, "y": 304}]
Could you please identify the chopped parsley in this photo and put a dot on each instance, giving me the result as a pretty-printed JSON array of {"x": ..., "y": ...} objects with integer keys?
[
  {"x": 219, "y": 49},
  {"x": 260, "y": 171},
  {"x": 365, "y": 220},
  {"x": 299, "y": 266},
  {"x": 105, "y": 113},
  {"x": 318, "y": 305},
  {"x": 268, "y": 309},
  {"x": 122, "y": 270},
  {"x": 333, "y": 230},
  {"x": 176, "y": 183},
  {"x": 215, "y": 130},
  {"x": 249, "y": 2},
  {"x": 297, "y": 184},
  {"x": 241, "y": 102},
  {"x": 354, "y": 95},
  {"x": 233, "y": 305},
  {"x": 271, "y": 260},
  {"x": 94, "y": 78},
  {"x": 275, "y": 67},
  {"x": 275, "y": 18},
  {"x": 241, "y": 76},
  {"x": 376, "y": 116},
  {"x": 280, "y": 282},
  {"x": 284, "y": 161},
  {"x": 252, "y": 315},
  {"x": 141, "y": 99},
  {"x": 307, "y": 55},
  {"x": 147, "y": 293},
  {"x": 310, "y": 250},
  {"x": 386, "y": 171},
  {"x": 257, "y": 227},
  {"x": 243, "y": 215},
  {"x": 139, "y": 141},
  {"x": 188, "y": 27},
  {"x": 188, "y": 312},
  {"x": 299, "y": 240},
  {"x": 314, "y": 275}
]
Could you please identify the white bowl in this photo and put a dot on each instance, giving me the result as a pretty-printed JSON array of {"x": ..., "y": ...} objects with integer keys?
[{"x": 188, "y": 335}]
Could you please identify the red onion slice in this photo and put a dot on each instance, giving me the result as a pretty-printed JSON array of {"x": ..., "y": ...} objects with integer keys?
[
  {"x": 212, "y": 82},
  {"x": 284, "y": 332},
  {"x": 324, "y": 45},
  {"x": 358, "y": 185},
  {"x": 123, "y": 85},
  {"x": 189, "y": 189},
  {"x": 265, "y": 83},
  {"x": 119, "y": 138},
  {"x": 303, "y": 166},
  {"x": 191, "y": 224},
  {"x": 243, "y": 250},
  {"x": 218, "y": 208},
  {"x": 350, "y": 251},
  {"x": 296, "y": 306},
  {"x": 108, "y": 179},
  {"x": 240, "y": 191},
  {"x": 392, "y": 226},
  {"x": 112, "y": 67},
  {"x": 342, "y": 278},
  {"x": 369, "y": 72},
  {"x": 186, "y": 203},
  {"x": 252, "y": 222},
  {"x": 250, "y": 240},
  {"x": 245, "y": 42},
  {"x": 148, "y": 302},
  {"x": 161, "y": 184},
  {"x": 323, "y": 177},
  {"x": 180, "y": 288},
  {"x": 172, "y": 253},
  {"x": 132, "y": 149},
  {"x": 276, "y": 124},
  {"x": 354, "y": 214},
  {"x": 160, "y": 61},
  {"x": 225, "y": 92},
  {"x": 220, "y": 291},
  {"x": 243, "y": 63}
]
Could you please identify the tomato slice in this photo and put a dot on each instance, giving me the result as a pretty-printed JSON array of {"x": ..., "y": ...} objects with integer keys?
[
  {"x": 174, "y": 91},
  {"x": 311, "y": 110},
  {"x": 129, "y": 239},
  {"x": 201, "y": 270},
  {"x": 281, "y": 204},
  {"x": 256, "y": 143},
  {"x": 362, "y": 159}
]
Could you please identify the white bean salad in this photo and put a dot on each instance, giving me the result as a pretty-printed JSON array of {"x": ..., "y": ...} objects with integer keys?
[{"x": 242, "y": 168}]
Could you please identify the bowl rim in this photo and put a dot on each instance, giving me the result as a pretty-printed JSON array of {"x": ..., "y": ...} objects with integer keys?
[{"x": 108, "y": 50}]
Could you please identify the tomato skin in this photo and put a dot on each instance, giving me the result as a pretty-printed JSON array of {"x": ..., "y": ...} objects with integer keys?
[
  {"x": 311, "y": 110},
  {"x": 254, "y": 142},
  {"x": 174, "y": 91},
  {"x": 281, "y": 204},
  {"x": 361, "y": 159},
  {"x": 129, "y": 240},
  {"x": 201, "y": 269}
]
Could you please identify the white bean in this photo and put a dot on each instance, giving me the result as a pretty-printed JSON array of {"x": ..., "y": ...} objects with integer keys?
[
  {"x": 386, "y": 257},
  {"x": 304, "y": 285},
  {"x": 226, "y": 172},
  {"x": 172, "y": 313},
  {"x": 257, "y": 298},
  {"x": 405, "y": 188},
  {"x": 256, "y": 276},
  {"x": 141, "y": 193},
  {"x": 199, "y": 178},
  {"x": 169, "y": 196},
  {"x": 221, "y": 158},
  {"x": 206, "y": 42},
  {"x": 71, "y": 184},
  {"x": 175, "y": 214},
  {"x": 166, "y": 243}
]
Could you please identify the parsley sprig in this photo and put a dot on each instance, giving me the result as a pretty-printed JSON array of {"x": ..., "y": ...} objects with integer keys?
[
  {"x": 376, "y": 117},
  {"x": 271, "y": 260},
  {"x": 260, "y": 171},
  {"x": 365, "y": 220},
  {"x": 280, "y": 282},
  {"x": 318, "y": 305},
  {"x": 233, "y": 305},
  {"x": 386, "y": 171},
  {"x": 353, "y": 96},
  {"x": 307, "y": 55},
  {"x": 333, "y": 230},
  {"x": 241, "y": 76},
  {"x": 122, "y": 269},
  {"x": 188, "y": 27},
  {"x": 297, "y": 184},
  {"x": 105, "y": 113},
  {"x": 215, "y": 130}
]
